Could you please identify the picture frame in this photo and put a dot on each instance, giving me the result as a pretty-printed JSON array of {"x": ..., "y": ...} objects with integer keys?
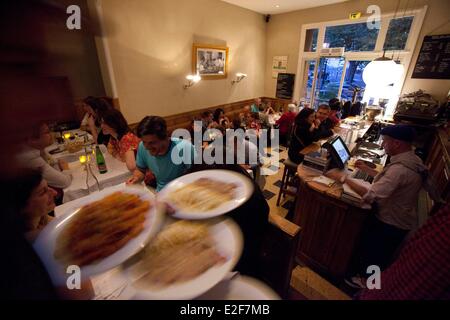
[{"x": 210, "y": 61}]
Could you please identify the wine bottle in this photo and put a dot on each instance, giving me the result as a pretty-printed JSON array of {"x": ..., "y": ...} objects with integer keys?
[{"x": 101, "y": 164}]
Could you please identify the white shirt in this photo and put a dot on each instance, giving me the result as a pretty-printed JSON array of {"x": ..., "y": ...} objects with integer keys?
[
  {"x": 31, "y": 158},
  {"x": 396, "y": 190}
]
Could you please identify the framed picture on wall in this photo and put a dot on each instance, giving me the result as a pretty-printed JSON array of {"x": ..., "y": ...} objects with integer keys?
[{"x": 209, "y": 61}]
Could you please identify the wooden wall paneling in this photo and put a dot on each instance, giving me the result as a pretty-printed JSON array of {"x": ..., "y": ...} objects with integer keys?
[
  {"x": 232, "y": 110},
  {"x": 438, "y": 164}
]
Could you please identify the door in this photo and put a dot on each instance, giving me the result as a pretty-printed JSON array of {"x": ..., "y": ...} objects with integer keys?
[{"x": 329, "y": 78}]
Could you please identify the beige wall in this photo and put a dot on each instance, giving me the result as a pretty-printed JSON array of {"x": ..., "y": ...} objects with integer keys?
[
  {"x": 283, "y": 36},
  {"x": 151, "y": 51},
  {"x": 72, "y": 54}
]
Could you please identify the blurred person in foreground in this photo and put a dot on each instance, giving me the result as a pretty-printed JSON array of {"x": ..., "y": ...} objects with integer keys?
[
  {"x": 34, "y": 200},
  {"x": 422, "y": 269},
  {"x": 26, "y": 91}
]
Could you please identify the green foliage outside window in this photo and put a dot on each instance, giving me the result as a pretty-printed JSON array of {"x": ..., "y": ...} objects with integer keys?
[
  {"x": 397, "y": 33},
  {"x": 354, "y": 37}
]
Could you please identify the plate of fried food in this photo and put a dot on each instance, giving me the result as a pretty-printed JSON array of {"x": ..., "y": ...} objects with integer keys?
[
  {"x": 206, "y": 194},
  {"x": 185, "y": 259},
  {"x": 105, "y": 229}
]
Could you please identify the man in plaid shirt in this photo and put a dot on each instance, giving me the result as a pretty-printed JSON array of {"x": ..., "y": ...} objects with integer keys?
[{"x": 422, "y": 270}]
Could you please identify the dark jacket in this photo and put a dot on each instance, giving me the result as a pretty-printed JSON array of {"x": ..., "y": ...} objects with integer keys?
[
  {"x": 324, "y": 130},
  {"x": 301, "y": 138},
  {"x": 24, "y": 277}
]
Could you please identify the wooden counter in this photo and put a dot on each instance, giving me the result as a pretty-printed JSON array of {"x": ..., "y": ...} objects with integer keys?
[{"x": 330, "y": 226}]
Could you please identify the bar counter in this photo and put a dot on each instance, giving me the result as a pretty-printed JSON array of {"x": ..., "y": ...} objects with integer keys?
[{"x": 331, "y": 226}]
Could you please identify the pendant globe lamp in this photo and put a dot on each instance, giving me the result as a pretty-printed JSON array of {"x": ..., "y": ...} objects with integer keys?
[{"x": 381, "y": 72}]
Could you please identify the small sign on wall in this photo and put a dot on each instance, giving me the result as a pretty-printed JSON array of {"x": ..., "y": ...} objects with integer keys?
[{"x": 279, "y": 65}]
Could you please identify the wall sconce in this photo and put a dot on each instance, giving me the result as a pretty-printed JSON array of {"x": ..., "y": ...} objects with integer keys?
[
  {"x": 193, "y": 79},
  {"x": 239, "y": 77}
]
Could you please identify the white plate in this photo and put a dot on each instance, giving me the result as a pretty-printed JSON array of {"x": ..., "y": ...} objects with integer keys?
[
  {"x": 45, "y": 243},
  {"x": 228, "y": 238},
  {"x": 240, "y": 288},
  {"x": 242, "y": 193}
]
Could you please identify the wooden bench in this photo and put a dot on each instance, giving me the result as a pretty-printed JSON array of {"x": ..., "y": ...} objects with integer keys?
[
  {"x": 232, "y": 110},
  {"x": 313, "y": 287},
  {"x": 278, "y": 253}
]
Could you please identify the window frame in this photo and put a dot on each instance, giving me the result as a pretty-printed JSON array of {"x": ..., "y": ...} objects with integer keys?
[{"x": 405, "y": 55}]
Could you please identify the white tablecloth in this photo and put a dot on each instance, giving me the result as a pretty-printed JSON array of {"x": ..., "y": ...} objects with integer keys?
[{"x": 117, "y": 173}]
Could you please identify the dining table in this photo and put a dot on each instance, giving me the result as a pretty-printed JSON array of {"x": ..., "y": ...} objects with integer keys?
[{"x": 86, "y": 177}]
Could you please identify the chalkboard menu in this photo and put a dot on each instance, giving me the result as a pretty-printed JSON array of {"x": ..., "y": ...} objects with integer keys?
[
  {"x": 285, "y": 85},
  {"x": 434, "y": 58}
]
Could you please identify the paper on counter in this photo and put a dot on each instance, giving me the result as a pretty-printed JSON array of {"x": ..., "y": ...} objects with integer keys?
[
  {"x": 350, "y": 191},
  {"x": 324, "y": 180}
]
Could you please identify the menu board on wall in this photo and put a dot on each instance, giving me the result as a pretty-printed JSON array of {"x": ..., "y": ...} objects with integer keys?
[
  {"x": 434, "y": 58},
  {"x": 285, "y": 85}
]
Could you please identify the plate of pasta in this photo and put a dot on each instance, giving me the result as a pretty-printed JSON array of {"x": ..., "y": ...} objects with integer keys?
[
  {"x": 105, "y": 229},
  {"x": 185, "y": 259},
  {"x": 206, "y": 194}
]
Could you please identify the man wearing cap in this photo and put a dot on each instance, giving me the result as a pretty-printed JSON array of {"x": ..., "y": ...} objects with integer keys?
[{"x": 394, "y": 193}]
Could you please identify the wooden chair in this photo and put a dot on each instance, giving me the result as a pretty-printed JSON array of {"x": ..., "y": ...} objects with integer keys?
[{"x": 289, "y": 172}]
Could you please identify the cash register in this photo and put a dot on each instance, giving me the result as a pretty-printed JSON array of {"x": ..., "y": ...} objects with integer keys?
[{"x": 339, "y": 157}]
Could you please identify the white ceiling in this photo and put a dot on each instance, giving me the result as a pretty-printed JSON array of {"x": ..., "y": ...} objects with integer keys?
[{"x": 270, "y": 6}]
